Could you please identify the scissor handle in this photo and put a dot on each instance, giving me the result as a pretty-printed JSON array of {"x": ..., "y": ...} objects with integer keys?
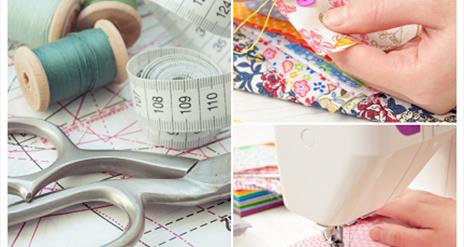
[
  {"x": 41, "y": 128},
  {"x": 74, "y": 161},
  {"x": 128, "y": 195},
  {"x": 44, "y": 205}
]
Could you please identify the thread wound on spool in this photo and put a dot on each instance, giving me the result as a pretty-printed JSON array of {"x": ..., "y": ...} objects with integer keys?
[
  {"x": 71, "y": 66},
  {"x": 78, "y": 63},
  {"x": 36, "y": 22},
  {"x": 132, "y": 3}
]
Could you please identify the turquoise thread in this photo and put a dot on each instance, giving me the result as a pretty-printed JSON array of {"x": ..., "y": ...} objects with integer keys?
[
  {"x": 132, "y": 3},
  {"x": 29, "y": 20},
  {"x": 77, "y": 63}
]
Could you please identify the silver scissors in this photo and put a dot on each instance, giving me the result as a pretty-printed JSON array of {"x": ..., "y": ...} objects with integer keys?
[{"x": 166, "y": 180}]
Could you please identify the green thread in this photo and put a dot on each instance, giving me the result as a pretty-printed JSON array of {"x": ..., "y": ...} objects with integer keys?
[
  {"x": 29, "y": 20},
  {"x": 132, "y": 3},
  {"x": 77, "y": 63}
]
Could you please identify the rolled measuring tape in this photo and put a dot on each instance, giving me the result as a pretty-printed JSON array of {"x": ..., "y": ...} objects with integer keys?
[
  {"x": 210, "y": 15},
  {"x": 37, "y": 22},
  {"x": 180, "y": 95},
  {"x": 71, "y": 66},
  {"x": 122, "y": 13}
]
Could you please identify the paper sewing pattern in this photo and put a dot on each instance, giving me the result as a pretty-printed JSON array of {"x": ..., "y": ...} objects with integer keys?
[
  {"x": 308, "y": 21},
  {"x": 356, "y": 235}
]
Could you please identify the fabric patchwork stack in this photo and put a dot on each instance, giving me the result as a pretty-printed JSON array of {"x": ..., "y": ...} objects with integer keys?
[
  {"x": 256, "y": 179},
  {"x": 292, "y": 65},
  {"x": 248, "y": 202}
]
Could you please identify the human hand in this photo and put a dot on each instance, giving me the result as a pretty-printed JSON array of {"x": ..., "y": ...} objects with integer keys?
[
  {"x": 429, "y": 221},
  {"x": 423, "y": 71}
]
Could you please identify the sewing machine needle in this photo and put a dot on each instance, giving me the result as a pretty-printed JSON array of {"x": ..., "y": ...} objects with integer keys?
[{"x": 334, "y": 236}]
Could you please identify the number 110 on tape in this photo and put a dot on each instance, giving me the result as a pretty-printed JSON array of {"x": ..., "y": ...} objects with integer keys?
[{"x": 186, "y": 106}]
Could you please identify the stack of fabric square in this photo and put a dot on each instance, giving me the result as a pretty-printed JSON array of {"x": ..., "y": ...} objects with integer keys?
[
  {"x": 248, "y": 202},
  {"x": 256, "y": 179}
]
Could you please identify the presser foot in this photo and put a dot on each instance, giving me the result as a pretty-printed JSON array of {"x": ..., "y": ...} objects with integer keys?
[{"x": 334, "y": 236}]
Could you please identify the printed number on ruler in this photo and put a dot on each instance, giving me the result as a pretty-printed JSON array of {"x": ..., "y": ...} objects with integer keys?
[
  {"x": 211, "y": 15},
  {"x": 199, "y": 105},
  {"x": 191, "y": 36},
  {"x": 180, "y": 90}
]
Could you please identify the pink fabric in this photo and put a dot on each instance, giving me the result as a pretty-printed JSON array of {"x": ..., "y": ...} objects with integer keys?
[{"x": 356, "y": 235}]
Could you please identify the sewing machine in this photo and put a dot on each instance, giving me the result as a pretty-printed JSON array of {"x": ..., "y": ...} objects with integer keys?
[{"x": 335, "y": 175}]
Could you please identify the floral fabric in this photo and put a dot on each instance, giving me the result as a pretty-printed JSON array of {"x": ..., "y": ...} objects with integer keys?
[
  {"x": 307, "y": 20},
  {"x": 274, "y": 25},
  {"x": 278, "y": 68}
]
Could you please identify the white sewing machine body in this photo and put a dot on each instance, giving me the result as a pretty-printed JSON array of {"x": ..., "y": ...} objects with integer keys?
[{"x": 335, "y": 175}]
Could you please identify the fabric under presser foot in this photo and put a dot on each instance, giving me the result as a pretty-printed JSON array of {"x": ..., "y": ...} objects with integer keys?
[{"x": 334, "y": 236}]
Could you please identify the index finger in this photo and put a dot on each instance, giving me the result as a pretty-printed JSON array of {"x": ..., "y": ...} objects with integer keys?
[{"x": 413, "y": 213}]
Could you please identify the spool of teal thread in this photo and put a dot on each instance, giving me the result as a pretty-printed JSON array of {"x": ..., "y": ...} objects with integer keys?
[
  {"x": 123, "y": 14},
  {"x": 71, "y": 66},
  {"x": 78, "y": 63},
  {"x": 37, "y": 22}
]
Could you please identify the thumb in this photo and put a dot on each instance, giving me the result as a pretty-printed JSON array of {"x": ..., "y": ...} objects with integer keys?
[{"x": 365, "y": 16}]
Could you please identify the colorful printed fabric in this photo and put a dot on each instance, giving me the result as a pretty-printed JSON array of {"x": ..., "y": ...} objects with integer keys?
[
  {"x": 278, "y": 68},
  {"x": 255, "y": 4},
  {"x": 256, "y": 179},
  {"x": 253, "y": 157},
  {"x": 255, "y": 168},
  {"x": 308, "y": 21},
  {"x": 327, "y": 70},
  {"x": 274, "y": 25},
  {"x": 257, "y": 183},
  {"x": 278, "y": 74},
  {"x": 356, "y": 235},
  {"x": 248, "y": 202}
]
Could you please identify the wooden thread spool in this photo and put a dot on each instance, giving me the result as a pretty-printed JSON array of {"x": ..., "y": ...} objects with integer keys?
[
  {"x": 64, "y": 19},
  {"x": 123, "y": 16},
  {"x": 33, "y": 77}
]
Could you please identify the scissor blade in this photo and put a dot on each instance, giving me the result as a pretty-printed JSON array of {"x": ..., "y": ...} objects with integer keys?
[{"x": 215, "y": 170}]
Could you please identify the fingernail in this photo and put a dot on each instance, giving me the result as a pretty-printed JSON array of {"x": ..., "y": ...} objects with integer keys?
[
  {"x": 375, "y": 232},
  {"x": 334, "y": 17}
]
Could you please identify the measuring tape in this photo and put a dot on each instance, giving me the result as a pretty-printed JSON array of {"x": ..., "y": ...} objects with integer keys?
[
  {"x": 211, "y": 15},
  {"x": 181, "y": 95}
]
